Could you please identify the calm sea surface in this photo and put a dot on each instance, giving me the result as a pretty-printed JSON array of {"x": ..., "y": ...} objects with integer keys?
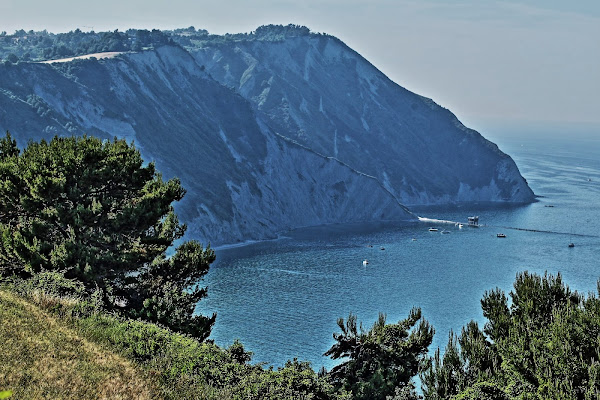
[{"x": 282, "y": 298}]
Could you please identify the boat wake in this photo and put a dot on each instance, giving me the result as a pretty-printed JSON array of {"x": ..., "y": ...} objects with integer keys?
[
  {"x": 442, "y": 221},
  {"x": 543, "y": 231},
  {"x": 437, "y": 221}
]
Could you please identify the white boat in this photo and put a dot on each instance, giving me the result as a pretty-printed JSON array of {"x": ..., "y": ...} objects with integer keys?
[
  {"x": 365, "y": 262},
  {"x": 433, "y": 229},
  {"x": 500, "y": 235},
  {"x": 460, "y": 226}
]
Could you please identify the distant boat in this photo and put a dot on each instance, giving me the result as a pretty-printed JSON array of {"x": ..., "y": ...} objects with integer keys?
[
  {"x": 414, "y": 240},
  {"x": 365, "y": 262},
  {"x": 460, "y": 226},
  {"x": 473, "y": 221},
  {"x": 571, "y": 244},
  {"x": 433, "y": 229},
  {"x": 548, "y": 205},
  {"x": 382, "y": 248},
  {"x": 500, "y": 235},
  {"x": 445, "y": 231}
]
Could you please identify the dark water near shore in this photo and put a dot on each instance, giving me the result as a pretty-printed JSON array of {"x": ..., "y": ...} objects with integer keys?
[{"x": 282, "y": 298}]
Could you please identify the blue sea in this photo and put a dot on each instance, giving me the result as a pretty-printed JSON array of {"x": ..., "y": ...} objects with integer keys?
[{"x": 282, "y": 298}]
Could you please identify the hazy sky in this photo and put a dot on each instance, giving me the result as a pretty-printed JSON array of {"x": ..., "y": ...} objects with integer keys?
[{"x": 487, "y": 61}]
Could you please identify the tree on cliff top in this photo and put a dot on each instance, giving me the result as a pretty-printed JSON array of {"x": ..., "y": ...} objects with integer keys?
[{"x": 92, "y": 210}]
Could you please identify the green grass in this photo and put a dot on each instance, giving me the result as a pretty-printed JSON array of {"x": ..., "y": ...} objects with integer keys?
[
  {"x": 64, "y": 348},
  {"x": 44, "y": 358}
]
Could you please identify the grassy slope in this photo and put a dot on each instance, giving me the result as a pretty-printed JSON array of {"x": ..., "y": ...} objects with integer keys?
[{"x": 42, "y": 358}]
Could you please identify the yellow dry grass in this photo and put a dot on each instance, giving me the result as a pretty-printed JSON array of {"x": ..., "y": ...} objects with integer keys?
[{"x": 42, "y": 359}]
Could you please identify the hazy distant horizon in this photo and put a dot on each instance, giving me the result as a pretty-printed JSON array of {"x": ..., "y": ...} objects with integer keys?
[{"x": 532, "y": 62}]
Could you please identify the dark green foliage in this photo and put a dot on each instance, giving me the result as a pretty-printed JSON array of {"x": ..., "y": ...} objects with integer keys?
[
  {"x": 181, "y": 366},
  {"x": 8, "y": 147},
  {"x": 43, "y": 45},
  {"x": 46, "y": 46},
  {"x": 467, "y": 358},
  {"x": 444, "y": 377},
  {"x": 296, "y": 380},
  {"x": 12, "y": 58},
  {"x": 382, "y": 359},
  {"x": 95, "y": 212},
  {"x": 404, "y": 392},
  {"x": 483, "y": 391},
  {"x": 495, "y": 309},
  {"x": 50, "y": 283},
  {"x": 280, "y": 32},
  {"x": 186, "y": 367},
  {"x": 238, "y": 353},
  {"x": 544, "y": 345}
]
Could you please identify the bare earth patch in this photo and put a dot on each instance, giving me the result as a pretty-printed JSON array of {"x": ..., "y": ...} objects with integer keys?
[{"x": 109, "y": 54}]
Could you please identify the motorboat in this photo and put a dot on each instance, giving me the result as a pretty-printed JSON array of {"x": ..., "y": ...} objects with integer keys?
[
  {"x": 365, "y": 262},
  {"x": 571, "y": 244},
  {"x": 500, "y": 235},
  {"x": 433, "y": 229}
]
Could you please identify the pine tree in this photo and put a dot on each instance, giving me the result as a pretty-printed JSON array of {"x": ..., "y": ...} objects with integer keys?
[
  {"x": 382, "y": 361},
  {"x": 92, "y": 210}
]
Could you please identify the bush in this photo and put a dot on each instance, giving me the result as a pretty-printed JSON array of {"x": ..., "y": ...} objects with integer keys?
[
  {"x": 483, "y": 391},
  {"x": 51, "y": 283}
]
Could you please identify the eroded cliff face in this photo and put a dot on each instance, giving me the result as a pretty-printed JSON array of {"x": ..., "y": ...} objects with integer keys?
[
  {"x": 266, "y": 135},
  {"x": 317, "y": 91},
  {"x": 244, "y": 181}
]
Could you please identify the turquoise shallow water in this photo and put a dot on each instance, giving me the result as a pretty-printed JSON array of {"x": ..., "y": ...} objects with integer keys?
[{"x": 282, "y": 298}]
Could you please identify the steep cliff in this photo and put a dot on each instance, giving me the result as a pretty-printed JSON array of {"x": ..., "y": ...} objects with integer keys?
[
  {"x": 244, "y": 181},
  {"x": 267, "y": 132},
  {"x": 316, "y": 90}
]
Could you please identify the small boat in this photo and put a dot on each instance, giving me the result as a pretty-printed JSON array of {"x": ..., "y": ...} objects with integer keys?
[
  {"x": 445, "y": 232},
  {"x": 500, "y": 235},
  {"x": 365, "y": 262},
  {"x": 460, "y": 226},
  {"x": 571, "y": 244},
  {"x": 433, "y": 229},
  {"x": 414, "y": 240},
  {"x": 382, "y": 248}
]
